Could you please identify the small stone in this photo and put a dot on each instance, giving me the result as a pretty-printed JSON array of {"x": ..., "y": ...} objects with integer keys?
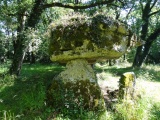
[{"x": 127, "y": 85}]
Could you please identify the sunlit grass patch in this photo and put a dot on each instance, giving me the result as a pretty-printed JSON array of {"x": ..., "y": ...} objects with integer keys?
[
  {"x": 40, "y": 70},
  {"x": 7, "y": 115},
  {"x": 153, "y": 72},
  {"x": 133, "y": 110},
  {"x": 4, "y": 67},
  {"x": 152, "y": 89},
  {"x": 151, "y": 67}
]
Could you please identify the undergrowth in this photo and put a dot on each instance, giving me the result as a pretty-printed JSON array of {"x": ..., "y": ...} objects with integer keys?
[{"x": 24, "y": 98}]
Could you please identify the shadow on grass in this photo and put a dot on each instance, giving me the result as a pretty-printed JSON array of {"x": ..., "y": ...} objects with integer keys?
[
  {"x": 155, "y": 111},
  {"x": 114, "y": 70},
  {"x": 25, "y": 96}
]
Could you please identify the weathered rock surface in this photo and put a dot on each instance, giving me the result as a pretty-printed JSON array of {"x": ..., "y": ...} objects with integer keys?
[
  {"x": 90, "y": 38},
  {"x": 76, "y": 70},
  {"x": 79, "y": 95},
  {"x": 127, "y": 85}
]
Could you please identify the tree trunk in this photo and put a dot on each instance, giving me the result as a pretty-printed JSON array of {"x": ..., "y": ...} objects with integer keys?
[
  {"x": 33, "y": 58},
  {"x": 17, "y": 61},
  {"x": 141, "y": 55},
  {"x": 143, "y": 51},
  {"x": 19, "y": 50},
  {"x": 19, "y": 45}
]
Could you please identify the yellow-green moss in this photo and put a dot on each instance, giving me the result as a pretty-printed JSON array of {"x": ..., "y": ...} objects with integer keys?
[
  {"x": 88, "y": 51},
  {"x": 88, "y": 38},
  {"x": 126, "y": 85}
]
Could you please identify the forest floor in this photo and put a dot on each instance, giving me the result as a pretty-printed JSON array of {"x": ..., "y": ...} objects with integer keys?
[{"x": 24, "y": 97}]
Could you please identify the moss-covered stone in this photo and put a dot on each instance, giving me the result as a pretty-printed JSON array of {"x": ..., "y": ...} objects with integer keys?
[
  {"x": 83, "y": 93},
  {"x": 126, "y": 85},
  {"x": 90, "y": 38},
  {"x": 76, "y": 88},
  {"x": 78, "y": 79}
]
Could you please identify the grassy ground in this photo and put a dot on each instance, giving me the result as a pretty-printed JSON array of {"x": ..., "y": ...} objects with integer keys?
[
  {"x": 23, "y": 98},
  {"x": 147, "y": 104}
]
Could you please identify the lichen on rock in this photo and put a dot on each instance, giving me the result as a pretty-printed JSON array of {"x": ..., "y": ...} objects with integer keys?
[
  {"x": 82, "y": 92},
  {"x": 76, "y": 70},
  {"x": 75, "y": 97},
  {"x": 127, "y": 85},
  {"x": 90, "y": 38}
]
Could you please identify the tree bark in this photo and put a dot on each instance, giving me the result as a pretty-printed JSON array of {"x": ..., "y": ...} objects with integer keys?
[
  {"x": 19, "y": 53},
  {"x": 98, "y": 3},
  {"x": 33, "y": 58},
  {"x": 143, "y": 51},
  {"x": 18, "y": 44},
  {"x": 17, "y": 60}
]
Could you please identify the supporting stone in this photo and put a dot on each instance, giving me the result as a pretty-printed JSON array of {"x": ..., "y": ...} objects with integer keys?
[
  {"x": 77, "y": 70},
  {"x": 76, "y": 89}
]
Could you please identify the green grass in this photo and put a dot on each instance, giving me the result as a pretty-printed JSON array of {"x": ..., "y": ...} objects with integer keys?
[
  {"x": 155, "y": 111},
  {"x": 24, "y": 98}
]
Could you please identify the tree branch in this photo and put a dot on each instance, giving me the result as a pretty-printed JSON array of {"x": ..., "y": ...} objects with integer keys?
[
  {"x": 142, "y": 8},
  {"x": 130, "y": 10},
  {"x": 153, "y": 13},
  {"x": 114, "y": 5},
  {"x": 57, "y": 4},
  {"x": 154, "y": 4},
  {"x": 154, "y": 35}
]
